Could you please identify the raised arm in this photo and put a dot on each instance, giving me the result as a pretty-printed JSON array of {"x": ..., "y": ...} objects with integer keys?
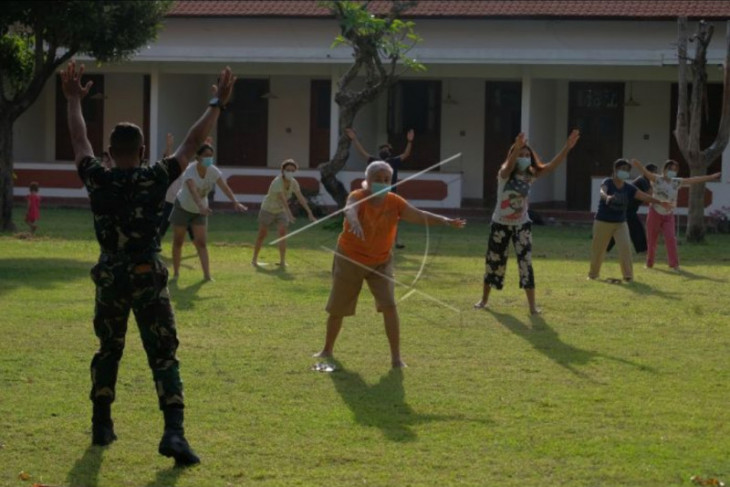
[
  {"x": 223, "y": 185},
  {"x": 411, "y": 214},
  {"x": 169, "y": 141},
  {"x": 353, "y": 137},
  {"x": 509, "y": 164},
  {"x": 409, "y": 145},
  {"x": 701, "y": 179},
  {"x": 560, "y": 156},
  {"x": 74, "y": 93},
  {"x": 644, "y": 171},
  {"x": 200, "y": 129}
]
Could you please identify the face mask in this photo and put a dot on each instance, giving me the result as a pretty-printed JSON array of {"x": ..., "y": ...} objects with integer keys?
[
  {"x": 523, "y": 163},
  {"x": 379, "y": 188},
  {"x": 207, "y": 161},
  {"x": 671, "y": 174},
  {"x": 288, "y": 175},
  {"x": 623, "y": 175}
]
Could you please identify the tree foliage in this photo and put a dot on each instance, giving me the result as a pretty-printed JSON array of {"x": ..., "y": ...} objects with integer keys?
[
  {"x": 39, "y": 36},
  {"x": 380, "y": 50}
]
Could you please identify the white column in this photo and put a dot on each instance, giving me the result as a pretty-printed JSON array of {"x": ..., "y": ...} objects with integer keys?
[
  {"x": 334, "y": 113},
  {"x": 154, "y": 114}
]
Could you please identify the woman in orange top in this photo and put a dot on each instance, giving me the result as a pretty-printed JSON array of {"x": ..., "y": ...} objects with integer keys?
[{"x": 364, "y": 253}]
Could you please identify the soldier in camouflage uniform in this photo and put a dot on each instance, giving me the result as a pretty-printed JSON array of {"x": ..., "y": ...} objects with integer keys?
[{"x": 127, "y": 203}]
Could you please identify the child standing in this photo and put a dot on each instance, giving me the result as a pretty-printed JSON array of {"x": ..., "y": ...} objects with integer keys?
[{"x": 34, "y": 208}]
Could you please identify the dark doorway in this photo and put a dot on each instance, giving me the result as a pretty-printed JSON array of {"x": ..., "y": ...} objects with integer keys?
[
  {"x": 502, "y": 123},
  {"x": 243, "y": 126},
  {"x": 711, "y": 113},
  {"x": 597, "y": 110},
  {"x": 415, "y": 105},
  {"x": 319, "y": 121},
  {"x": 92, "y": 106}
]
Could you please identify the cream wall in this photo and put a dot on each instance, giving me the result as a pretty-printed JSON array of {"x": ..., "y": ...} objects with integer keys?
[
  {"x": 646, "y": 127},
  {"x": 541, "y": 118},
  {"x": 183, "y": 98},
  {"x": 35, "y": 130},
  {"x": 123, "y": 101},
  {"x": 288, "y": 128}
]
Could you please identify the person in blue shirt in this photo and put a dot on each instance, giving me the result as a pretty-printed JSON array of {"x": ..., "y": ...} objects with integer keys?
[
  {"x": 610, "y": 221},
  {"x": 636, "y": 227}
]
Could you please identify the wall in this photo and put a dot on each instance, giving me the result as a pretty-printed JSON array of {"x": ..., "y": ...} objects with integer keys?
[
  {"x": 290, "y": 110},
  {"x": 646, "y": 127},
  {"x": 183, "y": 99},
  {"x": 33, "y": 132},
  {"x": 541, "y": 118},
  {"x": 123, "y": 101}
]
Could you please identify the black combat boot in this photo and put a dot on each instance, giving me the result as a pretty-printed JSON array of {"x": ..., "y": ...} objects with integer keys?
[
  {"x": 102, "y": 426},
  {"x": 173, "y": 443}
]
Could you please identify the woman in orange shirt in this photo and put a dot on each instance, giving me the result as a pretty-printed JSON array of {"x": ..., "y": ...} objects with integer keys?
[{"x": 364, "y": 253}]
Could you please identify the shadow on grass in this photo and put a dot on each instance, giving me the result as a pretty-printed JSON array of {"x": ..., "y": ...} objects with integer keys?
[
  {"x": 167, "y": 477},
  {"x": 689, "y": 275},
  {"x": 85, "y": 472},
  {"x": 185, "y": 297},
  {"x": 639, "y": 288},
  {"x": 547, "y": 341},
  {"x": 382, "y": 405},
  {"x": 274, "y": 270},
  {"x": 42, "y": 272}
]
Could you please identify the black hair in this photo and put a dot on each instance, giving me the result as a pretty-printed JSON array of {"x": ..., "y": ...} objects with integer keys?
[
  {"x": 34, "y": 187},
  {"x": 621, "y": 163},
  {"x": 670, "y": 162},
  {"x": 204, "y": 148},
  {"x": 126, "y": 139},
  {"x": 651, "y": 167}
]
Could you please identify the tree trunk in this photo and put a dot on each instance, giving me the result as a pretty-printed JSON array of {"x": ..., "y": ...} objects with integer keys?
[
  {"x": 6, "y": 175},
  {"x": 328, "y": 170},
  {"x": 696, "y": 212}
]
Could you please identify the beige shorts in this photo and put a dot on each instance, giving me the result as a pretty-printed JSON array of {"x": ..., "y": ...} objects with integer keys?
[
  {"x": 347, "y": 278},
  {"x": 268, "y": 219}
]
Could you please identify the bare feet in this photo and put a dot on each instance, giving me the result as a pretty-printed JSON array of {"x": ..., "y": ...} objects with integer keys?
[
  {"x": 322, "y": 354},
  {"x": 398, "y": 364},
  {"x": 535, "y": 311},
  {"x": 208, "y": 279},
  {"x": 481, "y": 305}
]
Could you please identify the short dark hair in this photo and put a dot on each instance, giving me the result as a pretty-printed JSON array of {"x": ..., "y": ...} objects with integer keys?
[
  {"x": 385, "y": 146},
  {"x": 651, "y": 167},
  {"x": 34, "y": 187},
  {"x": 204, "y": 148},
  {"x": 126, "y": 139},
  {"x": 621, "y": 163}
]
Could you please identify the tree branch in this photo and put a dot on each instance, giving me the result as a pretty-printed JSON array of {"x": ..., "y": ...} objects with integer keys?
[
  {"x": 699, "y": 82},
  {"x": 723, "y": 131},
  {"x": 681, "y": 130}
]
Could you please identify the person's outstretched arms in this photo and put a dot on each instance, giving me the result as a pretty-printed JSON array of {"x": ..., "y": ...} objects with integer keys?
[
  {"x": 411, "y": 214},
  {"x": 303, "y": 201},
  {"x": 560, "y": 156},
  {"x": 353, "y": 137},
  {"x": 509, "y": 164},
  {"x": 640, "y": 195},
  {"x": 199, "y": 131},
  {"x": 74, "y": 93},
  {"x": 409, "y": 145},
  {"x": 223, "y": 185},
  {"x": 701, "y": 179},
  {"x": 644, "y": 171}
]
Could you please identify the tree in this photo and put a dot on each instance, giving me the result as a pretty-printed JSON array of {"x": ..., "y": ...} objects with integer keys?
[
  {"x": 689, "y": 118},
  {"x": 39, "y": 36},
  {"x": 380, "y": 46}
]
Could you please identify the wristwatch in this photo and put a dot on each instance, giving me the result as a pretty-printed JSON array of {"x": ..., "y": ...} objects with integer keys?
[{"x": 216, "y": 102}]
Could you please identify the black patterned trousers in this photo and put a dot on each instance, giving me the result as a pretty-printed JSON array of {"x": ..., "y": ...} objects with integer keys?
[{"x": 497, "y": 252}]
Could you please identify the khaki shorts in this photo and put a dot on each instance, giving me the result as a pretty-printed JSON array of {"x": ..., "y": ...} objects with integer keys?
[
  {"x": 182, "y": 218},
  {"x": 347, "y": 278},
  {"x": 268, "y": 219}
]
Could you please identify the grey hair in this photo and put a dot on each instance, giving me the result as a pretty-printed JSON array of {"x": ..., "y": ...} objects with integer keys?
[{"x": 375, "y": 167}]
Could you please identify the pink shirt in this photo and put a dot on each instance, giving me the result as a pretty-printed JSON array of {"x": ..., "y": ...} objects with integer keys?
[{"x": 34, "y": 207}]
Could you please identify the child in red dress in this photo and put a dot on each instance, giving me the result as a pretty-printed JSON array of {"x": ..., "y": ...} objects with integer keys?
[{"x": 34, "y": 208}]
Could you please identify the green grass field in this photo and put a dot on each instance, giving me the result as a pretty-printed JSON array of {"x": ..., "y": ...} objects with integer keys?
[{"x": 613, "y": 385}]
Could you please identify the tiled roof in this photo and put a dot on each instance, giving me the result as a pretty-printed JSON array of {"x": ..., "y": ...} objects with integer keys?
[{"x": 464, "y": 8}]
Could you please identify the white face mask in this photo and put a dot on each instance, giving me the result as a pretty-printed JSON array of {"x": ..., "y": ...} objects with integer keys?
[
  {"x": 671, "y": 174},
  {"x": 523, "y": 163},
  {"x": 288, "y": 175}
]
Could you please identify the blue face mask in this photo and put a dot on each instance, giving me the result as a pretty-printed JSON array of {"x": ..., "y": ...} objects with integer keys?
[
  {"x": 379, "y": 189},
  {"x": 623, "y": 175},
  {"x": 523, "y": 163},
  {"x": 206, "y": 161},
  {"x": 671, "y": 174}
]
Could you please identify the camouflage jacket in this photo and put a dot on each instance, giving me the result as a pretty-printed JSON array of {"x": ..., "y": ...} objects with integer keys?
[{"x": 127, "y": 204}]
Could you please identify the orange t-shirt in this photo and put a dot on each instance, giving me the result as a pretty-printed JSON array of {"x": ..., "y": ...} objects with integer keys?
[{"x": 379, "y": 225}]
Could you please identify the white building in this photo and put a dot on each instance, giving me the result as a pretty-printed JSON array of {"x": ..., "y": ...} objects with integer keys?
[{"x": 494, "y": 68}]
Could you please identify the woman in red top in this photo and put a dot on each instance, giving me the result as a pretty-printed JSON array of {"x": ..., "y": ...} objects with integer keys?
[
  {"x": 364, "y": 253},
  {"x": 34, "y": 208}
]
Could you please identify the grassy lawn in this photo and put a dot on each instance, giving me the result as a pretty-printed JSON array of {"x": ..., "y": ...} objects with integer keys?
[{"x": 613, "y": 385}]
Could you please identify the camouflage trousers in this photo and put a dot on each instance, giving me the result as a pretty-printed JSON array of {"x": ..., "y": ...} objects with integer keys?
[{"x": 139, "y": 285}]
